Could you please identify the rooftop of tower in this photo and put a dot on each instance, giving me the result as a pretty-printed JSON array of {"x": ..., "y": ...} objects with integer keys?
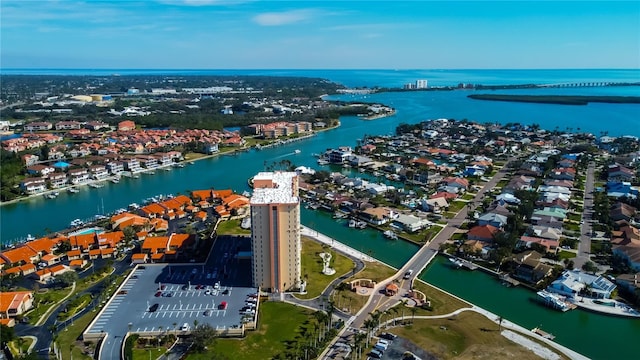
[{"x": 275, "y": 188}]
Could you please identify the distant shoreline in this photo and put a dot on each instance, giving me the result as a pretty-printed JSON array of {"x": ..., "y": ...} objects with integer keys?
[{"x": 558, "y": 99}]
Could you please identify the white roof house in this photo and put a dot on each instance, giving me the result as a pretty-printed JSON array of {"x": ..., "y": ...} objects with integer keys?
[{"x": 571, "y": 282}]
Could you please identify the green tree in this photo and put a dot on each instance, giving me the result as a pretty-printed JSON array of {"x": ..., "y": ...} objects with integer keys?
[
  {"x": 6, "y": 334},
  {"x": 67, "y": 278},
  {"x": 202, "y": 336}
]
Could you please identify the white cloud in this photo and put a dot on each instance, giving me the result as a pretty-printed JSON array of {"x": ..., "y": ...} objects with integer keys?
[{"x": 283, "y": 18}]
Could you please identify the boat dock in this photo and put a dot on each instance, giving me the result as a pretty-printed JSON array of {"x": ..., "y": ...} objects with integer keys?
[
  {"x": 508, "y": 280},
  {"x": 544, "y": 334},
  {"x": 461, "y": 263}
]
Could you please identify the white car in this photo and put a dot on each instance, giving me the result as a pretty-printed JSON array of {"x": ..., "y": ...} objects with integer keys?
[{"x": 185, "y": 327}]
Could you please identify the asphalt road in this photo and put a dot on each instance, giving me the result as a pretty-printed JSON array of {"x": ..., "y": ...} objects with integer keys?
[
  {"x": 379, "y": 301},
  {"x": 44, "y": 334},
  {"x": 584, "y": 247}
]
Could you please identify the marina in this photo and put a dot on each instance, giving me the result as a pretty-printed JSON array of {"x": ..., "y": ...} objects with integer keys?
[{"x": 510, "y": 302}]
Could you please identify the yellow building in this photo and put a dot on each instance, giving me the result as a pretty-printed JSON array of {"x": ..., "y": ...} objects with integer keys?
[{"x": 275, "y": 231}]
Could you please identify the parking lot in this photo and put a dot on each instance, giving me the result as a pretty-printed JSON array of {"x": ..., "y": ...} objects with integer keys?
[{"x": 175, "y": 297}]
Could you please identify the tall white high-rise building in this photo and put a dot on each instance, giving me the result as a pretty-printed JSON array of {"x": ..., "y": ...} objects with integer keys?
[
  {"x": 421, "y": 84},
  {"x": 275, "y": 231}
]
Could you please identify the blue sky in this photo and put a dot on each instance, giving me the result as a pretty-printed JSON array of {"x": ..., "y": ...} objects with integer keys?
[{"x": 227, "y": 34}]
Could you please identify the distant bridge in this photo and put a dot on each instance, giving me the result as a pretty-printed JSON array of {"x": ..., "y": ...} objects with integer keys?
[{"x": 590, "y": 84}]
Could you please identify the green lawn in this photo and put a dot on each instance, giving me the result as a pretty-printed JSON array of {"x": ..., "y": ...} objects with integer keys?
[
  {"x": 278, "y": 324},
  {"x": 17, "y": 348},
  {"x": 468, "y": 196},
  {"x": 232, "y": 227},
  {"x": 455, "y": 206},
  {"x": 45, "y": 300},
  {"x": 312, "y": 267},
  {"x": 68, "y": 338},
  {"x": 566, "y": 255}
]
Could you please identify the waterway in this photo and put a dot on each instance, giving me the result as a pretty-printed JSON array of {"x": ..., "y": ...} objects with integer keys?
[{"x": 594, "y": 335}]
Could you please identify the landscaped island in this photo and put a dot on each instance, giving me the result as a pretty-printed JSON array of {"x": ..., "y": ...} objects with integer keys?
[{"x": 558, "y": 99}]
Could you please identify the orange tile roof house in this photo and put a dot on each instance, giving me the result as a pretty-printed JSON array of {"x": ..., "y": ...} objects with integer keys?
[
  {"x": 126, "y": 125},
  {"x": 15, "y": 303},
  {"x": 74, "y": 254},
  {"x": 123, "y": 220},
  {"x": 202, "y": 194},
  {"x": 44, "y": 245},
  {"x": 154, "y": 245},
  {"x": 82, "y": 242},
  {"x": 77, "y": 264},
  {"x": 180, "y": 241},
  {"x": 139, "y": 258},
  {"x": 483, "y": 233},
  {"x": 20, "y": 255},
  {"x": 27, "y": 269},
  {"x": 110, "y": 239}
]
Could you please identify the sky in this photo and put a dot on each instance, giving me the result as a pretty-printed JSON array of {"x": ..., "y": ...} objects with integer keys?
[{"x": 332, "y": 34}]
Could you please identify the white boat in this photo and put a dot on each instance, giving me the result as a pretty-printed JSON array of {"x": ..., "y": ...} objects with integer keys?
[
  {"x": 136, "y": 176},
  {"x": 352, "y": 223},
  {"x": 115, "y": 180},
  {"x": 73, "y": 190},
  {"x": 297, "y": 151},
  {"x": 96, "y": 185},
  {"x": 455, "y": 263},
  {"x": 389, "y": 234},
  {"x": 50, "y": 196},
  {"x": 134, "y": 206},
  {"x": 553, "y": 301},
  {"x": 76, "y": 223}
]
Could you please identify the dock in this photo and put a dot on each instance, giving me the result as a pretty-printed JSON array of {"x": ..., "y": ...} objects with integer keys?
[
  {"x": 508, "y": 280},
  {"x": 544, "y": 334}
]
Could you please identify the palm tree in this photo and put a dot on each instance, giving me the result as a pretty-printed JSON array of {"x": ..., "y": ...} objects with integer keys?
[
  {"x": 369, "y": 325},
  {"x": 413, "y": 313}
]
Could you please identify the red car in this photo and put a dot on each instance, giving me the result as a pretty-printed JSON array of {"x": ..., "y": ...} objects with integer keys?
[
  {"x": 223, "y": 305},
  {"x": 158, "y": 293},
  {"x": 163, "y": 287}
]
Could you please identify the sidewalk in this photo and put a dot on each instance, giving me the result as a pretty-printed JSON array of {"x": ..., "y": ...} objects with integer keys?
[{"x": 335, "y": 244}]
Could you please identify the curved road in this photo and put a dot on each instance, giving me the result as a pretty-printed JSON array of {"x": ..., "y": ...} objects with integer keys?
[{"x": 42, "y": 333}]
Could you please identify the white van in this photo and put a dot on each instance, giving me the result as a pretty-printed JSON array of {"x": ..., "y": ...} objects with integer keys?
[{"x": 185, "y": 327}]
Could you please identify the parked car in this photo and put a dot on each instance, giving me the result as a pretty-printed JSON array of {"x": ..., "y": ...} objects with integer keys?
[
  {"x": 223, "y": 305},
  {"x": 185, "y": 327},
  {"x": 377, "y": 354},
  {"x": 207, "y": 313},
  {"x": 158, "y": 293},
  {"x": 225, "y": 292},
  {"x": 153, "y": 307},
  {"x": 388, "y": 336}
]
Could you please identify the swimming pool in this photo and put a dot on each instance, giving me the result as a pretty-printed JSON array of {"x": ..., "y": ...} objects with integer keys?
[{"x": 94, "y": 230}]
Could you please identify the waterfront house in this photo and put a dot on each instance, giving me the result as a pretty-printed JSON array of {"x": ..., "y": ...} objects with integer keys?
[
  {"x": 121, "y": 221},
  {"x": 573, "y": 282},
  {"x": 43, "y": 246},
  {"x": 33, "y": 185},
  {"x": 82, "y": 242},
  {"x": 78, "y": 176},
  {"x": 99, "y": 172},
  {"x": 378, "y": 215},
  {"x": 57, "y": 180},
  {"x": 411, "y": 223},
  {"x": 132, "y": 165},
  {"x": 115, "y": 167},
  {"x": 19, "y": 256},
  {"x": 529, "y": 268}
]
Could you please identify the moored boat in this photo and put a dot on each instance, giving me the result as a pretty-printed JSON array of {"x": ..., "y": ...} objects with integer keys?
[
  {"x": 389, "y": 234},
  {"x": 554, "y": 301}
]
